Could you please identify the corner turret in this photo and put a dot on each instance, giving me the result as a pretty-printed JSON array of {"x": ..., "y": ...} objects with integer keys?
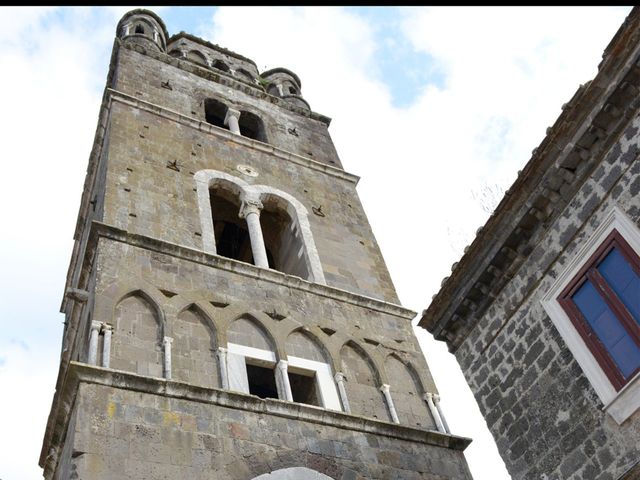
[{"x": 144, "y": 28}]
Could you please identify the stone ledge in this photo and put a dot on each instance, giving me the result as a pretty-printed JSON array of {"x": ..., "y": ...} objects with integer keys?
[
  {"x": 83, "y": 373},
  {"x": 115, "y": 95},
  {"x": 99, "y": 229}
]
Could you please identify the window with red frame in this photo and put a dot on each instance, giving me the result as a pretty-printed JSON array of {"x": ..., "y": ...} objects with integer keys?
[{"x": 603, "y": 303}]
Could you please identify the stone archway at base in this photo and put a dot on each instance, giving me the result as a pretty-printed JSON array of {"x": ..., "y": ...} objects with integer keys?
[{"x": 294, "y": 473}]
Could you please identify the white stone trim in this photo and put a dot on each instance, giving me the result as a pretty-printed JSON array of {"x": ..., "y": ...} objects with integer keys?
[
  {"x": 204, "y": 180},
  {"x": 237, "y": 364},
  {"x": 324, "y": 380},
  {"x": 620, "y": 405},
  {"x": 340, "y": 379}
]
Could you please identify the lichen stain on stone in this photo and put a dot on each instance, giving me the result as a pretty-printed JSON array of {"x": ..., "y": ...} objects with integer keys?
[
  {"x": 111, "y": 409},
  {"x": 170, "y": 418}
]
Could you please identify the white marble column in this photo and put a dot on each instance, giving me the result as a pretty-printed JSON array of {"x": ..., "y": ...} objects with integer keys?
[
  {"x": 434, "y": 412},
  {"x": 231, "y": 120},
  {"x": 280, "y": 90},
  {"x": 106, "y": 345},
  {"x": 436, "y": 400},
  {"x": 250, "y": 211},
  {"x": 222, "y": 363},
  {"x": 166, "y": 343},
  {"x": 392, "y": 409},
  {"x": 340, "y": 379},
  {"x": 282, "y": 381},
  {"x": 93, "y": 342}
]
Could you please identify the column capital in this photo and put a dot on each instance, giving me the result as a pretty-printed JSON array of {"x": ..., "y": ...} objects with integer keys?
[
  {"x": 384, "y": 388},
  {"x": 231, "y": 113},
  {"x": 107, "y": 328},
  {"x": 249, "y": 206},
  {"x": 340, "y": 377},
  {"x": 96, "y": 325},
  {"x": 166, "y": 340}
]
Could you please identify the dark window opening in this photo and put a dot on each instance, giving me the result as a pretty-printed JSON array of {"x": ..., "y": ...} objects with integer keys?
[
  {"x": 252, "y": 126},
  {"x": 139, "y": 29},
  {"x": 262, "y": 381},
  {"x": 293, "y": 91},
  {"x": 215, "y": 112},
  {"x": 230, "y": 231},
  {"x": 220, "y": 65},
  {"x": 603, "y": 303},
  {"x": 175, "y": 53},
  {"x": 283, "y": 241},
  {"x": 304, "y": 389}
]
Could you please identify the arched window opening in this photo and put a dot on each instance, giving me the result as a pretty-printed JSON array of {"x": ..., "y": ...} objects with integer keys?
[
  {"x": 283, "y": 241},
  {"x": 230, "y": 231},
  {"x": 139, "y": 29},
  {"x": 215, "y": 112},
  {"x": 175, "y": 53},
  {"x": 309, "y": 373},
  {"x": 220, "y": 65},
  {"x": 251, "y": 359},
  {"x": 293, "y": 91},
  {"x": 196, "y": 57},
  {"x": 252, "y": 126}
]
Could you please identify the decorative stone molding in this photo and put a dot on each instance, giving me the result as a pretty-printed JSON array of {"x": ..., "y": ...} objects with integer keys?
[
  {"x": 79, "y": 373},
  {"x": 117, "y": 96}
]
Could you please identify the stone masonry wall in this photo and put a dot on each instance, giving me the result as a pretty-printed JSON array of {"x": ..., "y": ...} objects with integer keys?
[
  {"x": 545, "y": 416},
  {"x": 142, "y": 76},
  {"x": 170, "y": 286},
  {"x": 124, "y": 434}
]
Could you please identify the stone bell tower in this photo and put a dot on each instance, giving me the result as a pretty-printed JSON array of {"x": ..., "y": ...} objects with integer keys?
[{"x": 228, "y": 311}]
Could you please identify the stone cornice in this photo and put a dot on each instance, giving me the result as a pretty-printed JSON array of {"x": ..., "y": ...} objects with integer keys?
[
  {"x": 589, "y": 124},
  {"x": 210, "y": 45},
  {"x": 223, "y": 78},
  {"x": 80, "y": 373},
  {"x": 226, "y": 135},
  {"x": 99, "y": 229}
]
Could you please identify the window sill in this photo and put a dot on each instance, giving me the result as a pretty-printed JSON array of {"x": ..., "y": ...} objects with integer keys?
[{"x": 626, "y": 402}]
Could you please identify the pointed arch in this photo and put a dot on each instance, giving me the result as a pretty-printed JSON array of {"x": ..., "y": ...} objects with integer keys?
[
  {"x": 362, "y": 382},
  {"x": 407, "y": 392},
  {"x": 138, "y": 331},
  {"x": 194, "y": 347},
  {"x": 304, "y": 344}
]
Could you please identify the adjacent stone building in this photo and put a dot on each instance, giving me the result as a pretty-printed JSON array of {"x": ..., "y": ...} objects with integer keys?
[
  {"x": 228, "y": 311},
  {"x": 543, "y": 310}
]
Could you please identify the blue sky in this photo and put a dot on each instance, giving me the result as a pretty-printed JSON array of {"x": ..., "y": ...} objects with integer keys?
[{"x": 432, "y": 107}]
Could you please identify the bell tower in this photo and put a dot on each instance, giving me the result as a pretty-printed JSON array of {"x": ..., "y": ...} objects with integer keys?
[{"x": 228, "y": 311}]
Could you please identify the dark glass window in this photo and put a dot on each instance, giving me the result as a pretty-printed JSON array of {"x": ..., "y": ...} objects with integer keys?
[{"x": 603, "y": 303}]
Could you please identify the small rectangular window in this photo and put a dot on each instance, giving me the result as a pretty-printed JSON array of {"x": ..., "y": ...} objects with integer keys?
[
  {"x": 603, "y": 303},
  {"x": 304, "y": 388},
  {"x": 262, "y": 381}
]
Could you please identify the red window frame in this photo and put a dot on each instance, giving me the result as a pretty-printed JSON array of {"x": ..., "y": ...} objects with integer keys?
[{"x": 630, "y": 324}]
